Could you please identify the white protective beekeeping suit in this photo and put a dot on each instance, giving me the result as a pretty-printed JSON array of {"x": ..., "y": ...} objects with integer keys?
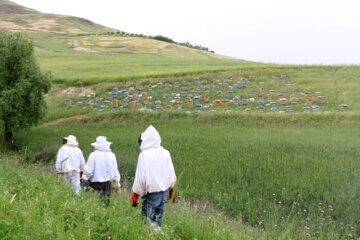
[
  {"x": 69, "y": 162},
  {"x": 102, "y": 165},
  {"x": 155, "y": 171}
]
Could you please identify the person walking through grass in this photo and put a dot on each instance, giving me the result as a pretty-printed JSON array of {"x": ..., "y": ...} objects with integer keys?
[
  {"x": 70, "y": 162},
  {"x": 101, "y": 168},
  {"x": 155, "y": 174}
]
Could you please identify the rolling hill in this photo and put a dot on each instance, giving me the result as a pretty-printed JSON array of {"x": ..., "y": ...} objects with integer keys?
[{"x": 79, "y": 49}]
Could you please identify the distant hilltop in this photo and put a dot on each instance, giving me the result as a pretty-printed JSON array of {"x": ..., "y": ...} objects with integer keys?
[{"x": 7, "y": 7}]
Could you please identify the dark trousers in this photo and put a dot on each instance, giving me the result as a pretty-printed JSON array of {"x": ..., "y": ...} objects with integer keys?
[{"x": 103, "y": 189}]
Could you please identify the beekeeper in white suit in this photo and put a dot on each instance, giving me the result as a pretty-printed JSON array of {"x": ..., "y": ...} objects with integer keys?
[
  {"x": 101, "y": 168},
  {"x": 154, "y": 175},
  {"x": 70, "y": 162}
]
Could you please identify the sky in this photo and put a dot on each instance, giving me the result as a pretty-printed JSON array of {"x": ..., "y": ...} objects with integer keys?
[{"x": 272, "y": 31}]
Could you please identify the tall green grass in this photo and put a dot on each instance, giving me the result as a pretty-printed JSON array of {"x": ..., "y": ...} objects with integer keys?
[
  {"x": 234, "y": 164},
  {"x": 37, "y": 205}
]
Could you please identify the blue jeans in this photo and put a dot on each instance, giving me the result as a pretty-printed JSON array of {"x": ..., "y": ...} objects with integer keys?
[{"x": 153, "y": 206}]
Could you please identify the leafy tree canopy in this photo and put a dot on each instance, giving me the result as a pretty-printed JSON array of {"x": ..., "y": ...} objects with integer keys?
[{"x": 22, "y": 84}]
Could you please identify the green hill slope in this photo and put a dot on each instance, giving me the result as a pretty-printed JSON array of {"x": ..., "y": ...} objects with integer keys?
[
  {"x": 79, "y": 50},
  {"x": 7, "y": 7}
]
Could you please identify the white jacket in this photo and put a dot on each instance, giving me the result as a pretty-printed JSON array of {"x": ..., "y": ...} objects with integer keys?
[
  {"x": 69, "y": 158},
  {"x": 155, "y": 171},
  {"x": 101, "y": 166}
]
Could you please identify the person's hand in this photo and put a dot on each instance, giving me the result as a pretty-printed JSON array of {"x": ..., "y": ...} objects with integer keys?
[
  {"x": 172, "y": 195},
  {"x": 134, "y": 199},
  {"x": 116, "y": 186},
  {"x": 58, "y": 175}
]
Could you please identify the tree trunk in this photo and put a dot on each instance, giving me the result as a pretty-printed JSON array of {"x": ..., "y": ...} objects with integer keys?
[{"x": 8, "y": 135}]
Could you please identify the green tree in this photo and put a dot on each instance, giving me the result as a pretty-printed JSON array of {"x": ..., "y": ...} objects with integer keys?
[{"x": 22, "y": 84}]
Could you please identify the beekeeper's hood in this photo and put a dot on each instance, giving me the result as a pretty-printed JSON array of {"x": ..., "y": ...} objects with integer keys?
[
  {"x": 71, "y": 140},
  {"x": 150, "y": 138},
  {"x": 101, "y": 144}
]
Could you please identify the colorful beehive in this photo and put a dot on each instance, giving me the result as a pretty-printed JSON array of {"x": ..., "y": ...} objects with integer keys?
[
  {"x": 132, "y": 104},
  {"x": 283, "y": 101},
  {"x": 261, "y": 97},
  {"x": 167, "y": 86},
  {"x": 230, "y": 93},
  {"x": 243, "y": 84},
  {"x": 262, "y": 84},
  {"x": 159, "y": 86},
  {"x": 272, "y": 91},
  {"x": 158, "y": 109},
  {"x": 307, "y": 109},
  {"x": 275, "y": 77},
  {"x": 280, "y": 96},
  {"x": 262, "y": 90},
  {"x": 125, "y": 105},
  {"x": 260, "y": 102},
  {"x": 343, "y": 107},
  {"x": 158, "y": 103},
  {"x": 204, "y": 82},
  {"x": 179, "y": 104},
  {"x": 290, "y": 109},
  {"x": 296, "y": 90},
  {"x": 224, "y": 102},
  {"x": 236, "y": 86},
  {"x": 179, "y": 109},
  {"x": 199, "y": 105},
  {"x": 283, "y": 76},
  {"x": 217, "y": 103},
  {"x": 71, "y": 96},
  {"x": 106, "y": 101},
  {"x": 251, "y": 78},
  {"x": 82, "y": 96},
  {"x": 196, "y": 81},
  {"x": 197, "y": 99},
  {"x": 269, "y": 97},
  {"x": 219, "y": 93},
  {"x": 318, "y": 94},
  {"x": 150, "y": 87},
  {"x": 101, "y": 106},
  {"x": 197, "y": 111},
  {"x": 316, "y": 108},
  {"x": 136, "y": 97},
  {"x": 155, "y": 96},
  {"x": 322, "y": 100},
  {"x": 207, "y": 98},
  {"x": 260, "y": 109},
  {"x": 274, "y": 110},
  {"x": 147, "y": 105},
  {"x": 236, "y": 101},
  {"x": 248, "y": 110},
  {"x": 126, "y": 95},
  {"x": 68, "y": 102},
  {"x": 294, "y": 100},
  {"x": 198, "y": 87},
  {"x": 145, "y": 100},
  {"x": 225, "y": 85},
  {"x": 308, "y": 99},
  {"x": 98, "y": 101},
  {"x": 190, "y": 103},
  {"x": 287, "y": 82},
  {"x": 183, "y": 94},
  {"x": 206, "y": 87},
  {"x": 186, "y": 83},
  {"x": 273, "y": 103},
  {"x": 245, "y": 101},
  {"x": 252, "y": 92},
  {"x": 144, "y": 94},
  {"x": 283, "y": 91},
  {"x": 92, "y": 95},
  {"x": 232, "y": 80},
  {"x": 140, "y": 88},
  {"x": 185, "y": 89}
]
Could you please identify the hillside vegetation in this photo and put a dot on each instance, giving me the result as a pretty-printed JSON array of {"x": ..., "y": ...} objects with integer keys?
[{"x": 7, "y": 7}]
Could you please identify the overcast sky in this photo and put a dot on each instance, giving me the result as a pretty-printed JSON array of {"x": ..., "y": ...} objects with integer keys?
[{"x": 276, "y": 31}]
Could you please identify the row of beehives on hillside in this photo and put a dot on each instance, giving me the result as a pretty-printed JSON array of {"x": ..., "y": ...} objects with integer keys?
[{"x": 137, "y": 98}]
